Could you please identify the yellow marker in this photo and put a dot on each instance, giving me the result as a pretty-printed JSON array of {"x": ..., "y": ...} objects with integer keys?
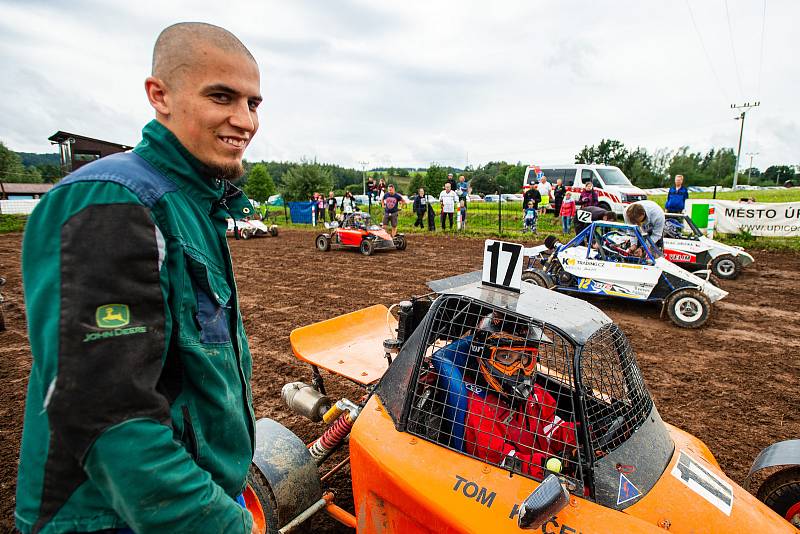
[{"x": 554, "y": 465}]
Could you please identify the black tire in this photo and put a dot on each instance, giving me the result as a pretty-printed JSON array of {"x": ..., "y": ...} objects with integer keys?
[
  {"x": 323, "y": 243},
  {"x": 273, "y": 231},
  {"x": 605, "y": 206},
  {"x": 244, "y": 234},
  {"x": 367, "y": 247},
  {"x": 688, "y": 308},
  {"x": 726, "y": 267},
  {"x": 262, "y": 490},
  {"x": 715, "y": 281},
  {"x": 400, "y": 242},
  {"x": 781, "y": 492},
  {"x": 537, "y": 278}
]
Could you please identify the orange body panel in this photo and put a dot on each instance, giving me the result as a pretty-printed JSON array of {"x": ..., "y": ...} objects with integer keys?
[
  {"x": 349, "y": 345},
  {"x": 404, "y": 484}
]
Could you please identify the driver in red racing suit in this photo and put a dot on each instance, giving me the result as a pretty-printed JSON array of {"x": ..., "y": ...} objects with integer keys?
[{"x": 510, "y": 419}]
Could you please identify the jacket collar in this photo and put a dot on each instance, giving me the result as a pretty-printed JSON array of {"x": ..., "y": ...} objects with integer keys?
[{"x": 164, "y": 151}]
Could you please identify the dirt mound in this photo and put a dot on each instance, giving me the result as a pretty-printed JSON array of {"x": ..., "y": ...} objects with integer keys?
[{"x": 732, "y": 384}]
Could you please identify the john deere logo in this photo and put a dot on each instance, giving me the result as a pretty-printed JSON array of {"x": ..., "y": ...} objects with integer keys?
[{"x": 112, "y": 315}]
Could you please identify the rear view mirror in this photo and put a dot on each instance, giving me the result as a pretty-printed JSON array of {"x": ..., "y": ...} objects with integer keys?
[{"x": 546, "y": 501}]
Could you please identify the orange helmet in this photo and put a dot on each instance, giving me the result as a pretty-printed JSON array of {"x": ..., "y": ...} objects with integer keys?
[{"x": 508, "y": 363}]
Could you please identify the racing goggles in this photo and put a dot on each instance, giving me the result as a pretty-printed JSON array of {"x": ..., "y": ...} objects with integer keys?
[{"x": 512, "y": 358}]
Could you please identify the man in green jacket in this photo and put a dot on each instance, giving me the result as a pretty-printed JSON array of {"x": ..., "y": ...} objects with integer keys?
[{"x": 139, "y": 411}]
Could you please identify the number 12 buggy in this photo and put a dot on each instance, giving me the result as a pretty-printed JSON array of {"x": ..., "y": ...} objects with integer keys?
[{"x": 615, "y": 260}]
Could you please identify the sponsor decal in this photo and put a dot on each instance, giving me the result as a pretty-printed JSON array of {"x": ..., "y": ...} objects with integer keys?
[
  {"x": 703, "y": 482},
  {"x": 678, "y": 256},
  {"x": 607, "y": 288},
  {"x": 112, "y": 315},
  {"x": 627, "y": 491}
]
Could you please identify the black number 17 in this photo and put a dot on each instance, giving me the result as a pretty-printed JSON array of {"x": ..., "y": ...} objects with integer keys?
[{"x": 494, "y": 249}]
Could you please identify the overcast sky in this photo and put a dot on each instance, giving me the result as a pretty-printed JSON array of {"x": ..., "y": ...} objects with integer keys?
[{"x": 408, "y": 83}]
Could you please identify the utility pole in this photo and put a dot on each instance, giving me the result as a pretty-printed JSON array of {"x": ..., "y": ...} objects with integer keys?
[
  {"x": 364, "y": 176},
  {"x": 750, "y": 169},
  {"x": 745, "y": 108}
]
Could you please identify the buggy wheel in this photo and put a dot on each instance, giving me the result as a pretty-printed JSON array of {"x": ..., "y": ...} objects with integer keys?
[
  {"x": 273, "y": 230},
  {"x": 367, "y": 247},
  {"x": 726, "y": 266},
  {"x": 323, "y": 243},
  {"x": 715, "y": 281},
  {"x": 536, "y": 278},
  {"x": 400, "y": 242},
  {"x": 688, "y": 308},
  {"x": 265, "y": 497},
  {"x": 781, "y": 492},
  {"x": 605, "y": 206},
  {"x": 245, "y": 234}
]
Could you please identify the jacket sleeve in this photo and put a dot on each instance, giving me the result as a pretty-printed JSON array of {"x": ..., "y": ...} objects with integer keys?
[{"x": 109, "y": 421}]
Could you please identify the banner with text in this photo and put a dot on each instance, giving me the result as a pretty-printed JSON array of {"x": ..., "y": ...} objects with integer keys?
[{"x": 759, "y": 219}]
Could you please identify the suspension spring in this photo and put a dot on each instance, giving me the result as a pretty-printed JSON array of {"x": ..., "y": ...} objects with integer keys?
[{"x": 331, "y": 437}]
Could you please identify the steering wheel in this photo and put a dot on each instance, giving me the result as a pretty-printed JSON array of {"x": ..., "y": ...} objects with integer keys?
[{"x": 611, "y": 247}]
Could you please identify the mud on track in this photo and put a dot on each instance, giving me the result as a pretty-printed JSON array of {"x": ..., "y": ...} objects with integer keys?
[{"x": 733, "y": 383}]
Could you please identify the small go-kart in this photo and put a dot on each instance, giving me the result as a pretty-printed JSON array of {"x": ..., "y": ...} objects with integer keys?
[
  {"x": 248, "y": 228},
  {"x": 615, "y": 260},
  {"x": 356, "y": 230},
  {"x": 491, "y": 405},
  {"x": 686, "y": 245}
]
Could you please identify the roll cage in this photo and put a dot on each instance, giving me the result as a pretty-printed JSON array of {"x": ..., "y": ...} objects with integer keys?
[
  {"x": 592, "y": 385},
  {"x": 594, "y": 238}
]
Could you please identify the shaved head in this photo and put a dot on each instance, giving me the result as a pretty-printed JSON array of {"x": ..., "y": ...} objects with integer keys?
[{"x": 180, "y": 47}]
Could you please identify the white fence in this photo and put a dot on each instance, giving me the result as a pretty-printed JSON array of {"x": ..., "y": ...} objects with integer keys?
[{"x": 18, "y": 207}]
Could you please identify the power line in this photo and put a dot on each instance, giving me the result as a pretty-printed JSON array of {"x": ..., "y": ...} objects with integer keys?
[
  {"x": 705, "y": 52},
  {"x": 733, "y": 50}
]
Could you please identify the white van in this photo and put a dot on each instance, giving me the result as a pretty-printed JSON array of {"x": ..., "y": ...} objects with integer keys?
[{"x": 614, "y": 189}]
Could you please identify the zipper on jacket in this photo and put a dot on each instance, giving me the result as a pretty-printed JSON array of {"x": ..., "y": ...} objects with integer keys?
[{"x": 188, "y": 436}]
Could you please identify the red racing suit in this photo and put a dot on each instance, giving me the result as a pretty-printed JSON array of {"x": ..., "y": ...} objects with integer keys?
[{"x": 492, "y": 431}]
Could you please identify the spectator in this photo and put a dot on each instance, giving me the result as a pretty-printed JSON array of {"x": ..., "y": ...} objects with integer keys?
[
  {"x": 566, "y": 211},
  {"x": 596, "y": 214},
  {"x": 348, "y": 202},
  {"x": 676, "y": 198},
  {"x": 391, "y": 207},
  {"x": 463, "y": 189},
  {"x": 372, "y": 187},
  {"x": 529, "y": 221},
  {"x": 588, "y": 196},
  {"x": 320, "y": 207},
  {"x": 448, "y": 198},
  {"x": 462, "y": 214},
  {"x": 331, "y": 206},
  {"x": 649, "y": 217},
  {"x": 420, "y": 207},
  {"x": 531, "y": 194},
  {"x": 558, "y": 195},
  {"x": 381, "y": 189},
  {"x": 451, "y": 181},
  {"x": 545, "y": 191}
]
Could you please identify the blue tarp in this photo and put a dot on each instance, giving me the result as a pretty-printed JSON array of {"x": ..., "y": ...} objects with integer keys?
[{"x": 301, "y": 212}]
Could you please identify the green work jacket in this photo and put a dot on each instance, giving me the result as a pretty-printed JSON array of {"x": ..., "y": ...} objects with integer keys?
[{"x": 139, "y": 410}]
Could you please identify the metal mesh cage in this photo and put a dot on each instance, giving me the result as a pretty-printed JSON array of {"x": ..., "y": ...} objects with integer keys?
[
  {"x": 498, "y": 387},
  {"x": 617, "y": 400}
]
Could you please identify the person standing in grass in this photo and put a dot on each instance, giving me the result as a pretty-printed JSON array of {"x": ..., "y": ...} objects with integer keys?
[
  {"x": 677, "y": 196},
  {"x": 392, "y": 202},
  {"x": 331, "y": 206},
  {"x": 567, "y": 212},
  {"x": 449, "y": 200},
  {"x": 420, "y": 207},
  {"x": 558, "y": 196}
]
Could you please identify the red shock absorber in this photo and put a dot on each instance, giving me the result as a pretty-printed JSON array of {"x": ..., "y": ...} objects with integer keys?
[{"x": 331, "y": 437}]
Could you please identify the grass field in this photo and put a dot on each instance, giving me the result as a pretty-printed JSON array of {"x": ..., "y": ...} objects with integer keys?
[{"x": 767, "y": 195}]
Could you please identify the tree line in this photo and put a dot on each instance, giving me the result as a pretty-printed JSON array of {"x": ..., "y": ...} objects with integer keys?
[{"x": 298, "y": 181}]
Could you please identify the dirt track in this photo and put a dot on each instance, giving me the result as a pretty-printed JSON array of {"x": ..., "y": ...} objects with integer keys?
[{"x": 733, "y": 383}]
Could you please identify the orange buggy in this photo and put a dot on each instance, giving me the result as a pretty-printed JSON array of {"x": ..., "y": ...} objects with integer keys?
[{"x": 615, "y": 467}]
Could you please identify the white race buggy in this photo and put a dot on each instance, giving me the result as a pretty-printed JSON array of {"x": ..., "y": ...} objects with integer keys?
[
  {"x": 686, "y": 245},
  {"x": 615, "y": 260},
  {"x": 251, "y": 228}
]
